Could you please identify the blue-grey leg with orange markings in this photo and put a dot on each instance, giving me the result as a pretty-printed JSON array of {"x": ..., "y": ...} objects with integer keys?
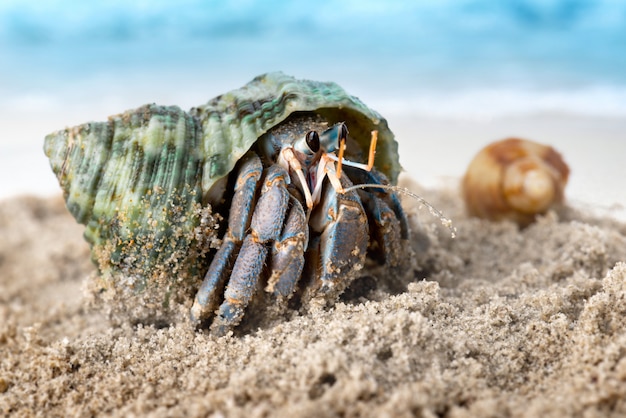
[
  {"x": 210, "y": 294},
  {"x": 287, "y": 259},
  {"x": 265, "y": 228},
  {"x": 228, "y": 292}
]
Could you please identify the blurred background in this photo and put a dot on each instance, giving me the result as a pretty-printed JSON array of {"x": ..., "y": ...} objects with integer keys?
[{"x": 449, "y": 75}]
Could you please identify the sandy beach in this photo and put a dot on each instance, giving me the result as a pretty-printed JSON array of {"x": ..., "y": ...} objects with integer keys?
[{"x": 496, "y": 322}]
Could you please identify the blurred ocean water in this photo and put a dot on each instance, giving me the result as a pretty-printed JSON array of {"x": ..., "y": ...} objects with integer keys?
[
  {"x": 562, "y": 55},
  {"x": 64, "y": 62}
]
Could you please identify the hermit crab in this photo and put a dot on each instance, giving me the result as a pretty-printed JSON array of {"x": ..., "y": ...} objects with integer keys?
[{"x": 264, "y": 174}]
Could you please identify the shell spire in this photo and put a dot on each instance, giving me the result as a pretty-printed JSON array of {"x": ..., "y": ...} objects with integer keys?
[{"x": 135, "y": 182}]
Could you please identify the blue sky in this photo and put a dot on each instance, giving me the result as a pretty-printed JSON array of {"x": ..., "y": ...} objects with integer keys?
[{"x": 439, "y": 43}]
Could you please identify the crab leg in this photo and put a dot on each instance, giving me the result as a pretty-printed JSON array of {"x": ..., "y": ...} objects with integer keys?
[
  {"x": 391, "y": 200},
  {"x": 385, "y": 229},
  {"x": 287, "y": 259},
  {"x": 265, "y": 227},
  {"x": 210, "y": 293}
]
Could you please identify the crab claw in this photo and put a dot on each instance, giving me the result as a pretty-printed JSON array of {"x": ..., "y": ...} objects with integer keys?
[{"x": 342, "y": 245}]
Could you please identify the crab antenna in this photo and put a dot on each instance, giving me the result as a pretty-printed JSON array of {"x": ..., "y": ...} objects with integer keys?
[
  {"x": 447, "y": 222},
  {"x": 342, "y": 148},
  {"x": 372, "y": 154}
]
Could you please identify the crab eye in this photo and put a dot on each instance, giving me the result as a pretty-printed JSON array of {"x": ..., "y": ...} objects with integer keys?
[{"x": 313, "y": 141}]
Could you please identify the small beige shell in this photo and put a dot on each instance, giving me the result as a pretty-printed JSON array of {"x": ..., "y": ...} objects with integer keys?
[{"x": 514, "y": 179}]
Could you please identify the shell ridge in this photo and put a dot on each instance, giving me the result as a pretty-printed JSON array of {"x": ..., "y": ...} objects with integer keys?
[
  {"x": 88, "y": 150},
  {"x": 109, "y": 127}
]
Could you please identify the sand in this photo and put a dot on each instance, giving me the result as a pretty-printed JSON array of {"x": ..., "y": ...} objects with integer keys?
[{"x": 497, "y": 322}]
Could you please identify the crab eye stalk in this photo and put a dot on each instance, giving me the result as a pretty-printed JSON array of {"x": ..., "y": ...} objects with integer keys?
[
  {"x": 313, "y": 141},
  {"x": 344, "y": 132},
  {"x": 331, "y": 137}
]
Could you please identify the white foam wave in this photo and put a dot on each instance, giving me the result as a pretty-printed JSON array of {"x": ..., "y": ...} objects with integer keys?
[{"x": 599, "y": 101}]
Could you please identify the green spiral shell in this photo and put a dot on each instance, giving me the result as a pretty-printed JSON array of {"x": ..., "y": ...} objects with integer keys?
[
  {"x": 139, "y": 181},
  {"x": 232, "y": 122}
]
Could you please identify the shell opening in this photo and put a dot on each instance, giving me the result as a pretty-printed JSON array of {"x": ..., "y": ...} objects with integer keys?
[{"x": 529, "y": 185}]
